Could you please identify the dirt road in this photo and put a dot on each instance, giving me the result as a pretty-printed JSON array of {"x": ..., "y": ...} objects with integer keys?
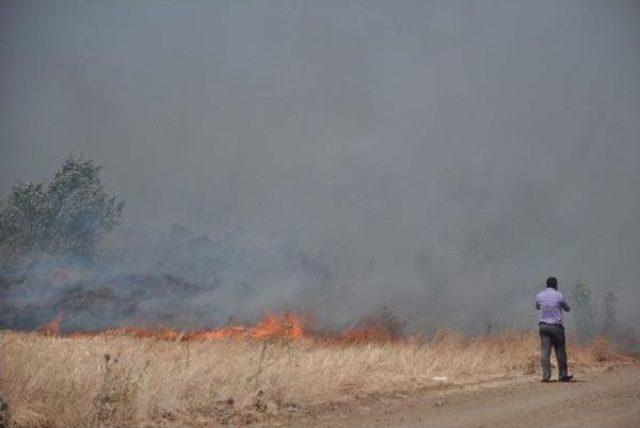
[{"x": 609, "y": 398}]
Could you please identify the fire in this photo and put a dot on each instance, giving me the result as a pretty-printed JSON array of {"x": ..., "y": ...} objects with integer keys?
[
  {"x": 52, "y": 328},
  {"x": 286, "y": 327}
]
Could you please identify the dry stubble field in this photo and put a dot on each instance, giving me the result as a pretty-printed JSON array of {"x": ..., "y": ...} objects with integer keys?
[{"x": 120, "y": 379}]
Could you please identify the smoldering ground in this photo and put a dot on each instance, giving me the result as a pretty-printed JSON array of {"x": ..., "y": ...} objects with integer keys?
[{"x": 439, "y": 158}]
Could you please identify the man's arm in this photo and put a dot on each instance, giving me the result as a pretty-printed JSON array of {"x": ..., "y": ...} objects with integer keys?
[
  {"x": 565, "y": 305},
  {"x": 537, "y": 303}
]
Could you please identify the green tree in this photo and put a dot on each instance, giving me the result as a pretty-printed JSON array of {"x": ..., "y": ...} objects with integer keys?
[
  {"x": 65, "y": 216},
  {"x": 584, "y": 313}
]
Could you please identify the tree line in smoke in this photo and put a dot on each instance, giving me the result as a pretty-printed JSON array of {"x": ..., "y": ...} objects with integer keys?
[
  {"x": 589, "y": 321},
  {"x": 68, "y": 215}
]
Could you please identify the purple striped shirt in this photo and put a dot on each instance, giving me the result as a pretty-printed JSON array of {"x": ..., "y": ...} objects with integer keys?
[{"x": 551, "y": 303}]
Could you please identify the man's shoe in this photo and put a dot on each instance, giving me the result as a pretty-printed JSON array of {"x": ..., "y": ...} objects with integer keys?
[
  {"x": 545, "y": 381},
  {"x": 566, "y": 379}
]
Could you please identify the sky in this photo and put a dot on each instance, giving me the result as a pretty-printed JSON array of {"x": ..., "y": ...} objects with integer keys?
[{"x": 475, "y": 147}]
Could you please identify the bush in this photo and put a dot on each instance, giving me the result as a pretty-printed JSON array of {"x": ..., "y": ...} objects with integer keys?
[
  {"x": 584, "y": 311},
  {"x": 610, "y": 320},
  {"x": 601, "y": 349}
]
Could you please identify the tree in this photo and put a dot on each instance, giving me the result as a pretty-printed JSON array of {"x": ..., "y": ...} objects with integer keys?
[
  {"x": 610, "y": 321},
  {"x": 584, "y": 312},
  {"x": 66, "y": 216}
]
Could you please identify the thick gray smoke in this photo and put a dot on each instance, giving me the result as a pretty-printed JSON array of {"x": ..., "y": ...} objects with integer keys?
[{"x": 439, "y": 158}]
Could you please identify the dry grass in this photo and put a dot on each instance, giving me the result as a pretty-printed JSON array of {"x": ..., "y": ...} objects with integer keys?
[{"x": 109, "y": 380}]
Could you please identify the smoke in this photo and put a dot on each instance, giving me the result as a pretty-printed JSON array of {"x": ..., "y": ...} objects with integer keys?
[{"x": 438, "y": 158}]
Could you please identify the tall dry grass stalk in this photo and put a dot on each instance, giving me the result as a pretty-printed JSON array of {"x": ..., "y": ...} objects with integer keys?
[{"x": 111, "y": 380}]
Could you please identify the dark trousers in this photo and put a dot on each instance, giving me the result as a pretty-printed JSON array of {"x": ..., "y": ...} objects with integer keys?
[{"x": 552, "y": 335}]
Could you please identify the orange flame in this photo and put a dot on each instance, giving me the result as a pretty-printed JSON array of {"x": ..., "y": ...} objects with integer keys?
[
  {"x": 287, "y": 327},
  {"x": 52, "y": 328}
]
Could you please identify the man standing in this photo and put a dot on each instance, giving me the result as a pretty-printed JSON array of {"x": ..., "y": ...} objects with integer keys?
[{"x": 550, "y": 303}]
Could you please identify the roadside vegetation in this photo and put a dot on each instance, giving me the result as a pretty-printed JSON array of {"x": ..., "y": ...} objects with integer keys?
[{"x": 119, "y": 379}]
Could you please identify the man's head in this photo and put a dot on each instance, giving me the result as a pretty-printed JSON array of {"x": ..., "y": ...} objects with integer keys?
[{"x": 552, "y": 282}]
